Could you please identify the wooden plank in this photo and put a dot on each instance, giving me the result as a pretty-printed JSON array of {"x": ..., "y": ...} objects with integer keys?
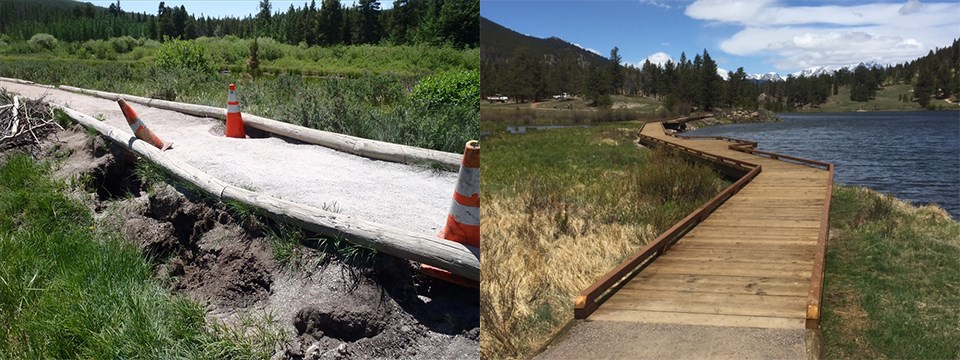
[
  {"x": 729, "y": 271},
  {"x": 684, "y": 244},
  {"x": 748, "y": 256},
  {"x": 774, "y": 306},
  {"x": 681, "y": 264},
  {"x": 666, "y": 317},
  {"x": 721, "y": 284}
]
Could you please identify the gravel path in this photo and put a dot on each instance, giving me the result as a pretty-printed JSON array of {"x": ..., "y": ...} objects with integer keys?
[
  {"x": 625, "y": 340},
  {"x": 403, "y": 196}
]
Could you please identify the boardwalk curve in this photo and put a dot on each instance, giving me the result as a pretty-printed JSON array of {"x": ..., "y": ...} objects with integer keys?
[{"x": 750, "y": 257}]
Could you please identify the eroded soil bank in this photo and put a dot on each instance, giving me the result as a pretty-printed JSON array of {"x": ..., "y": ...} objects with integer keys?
[{"x": 329, "y": 300}]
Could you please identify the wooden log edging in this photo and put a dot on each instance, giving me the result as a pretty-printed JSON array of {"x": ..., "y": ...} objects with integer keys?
[
  {"x": 452, "y": 256},
  {"x": 26, "y": 82},
  {"x": 590, "y": 299},
  {"x": 373, "y": 149}
]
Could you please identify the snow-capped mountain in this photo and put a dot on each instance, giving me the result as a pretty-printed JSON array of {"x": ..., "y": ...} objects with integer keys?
[
  {"x": 830, "y": 69},
  {"x": 812, "y": 72},
  {"x": 770, "y": 76}
]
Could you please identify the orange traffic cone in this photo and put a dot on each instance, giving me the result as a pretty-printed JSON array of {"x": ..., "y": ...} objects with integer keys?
[
  {"x": 234, "y": 121},
  {"x": 140, "y": 130},
  {"x": 463, "y": 220}
]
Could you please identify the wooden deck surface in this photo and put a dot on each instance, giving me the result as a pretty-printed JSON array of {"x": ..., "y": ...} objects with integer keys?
[{"x": 748, "y": 264}]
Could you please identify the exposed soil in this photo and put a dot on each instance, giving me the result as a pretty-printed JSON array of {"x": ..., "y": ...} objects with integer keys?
[{"x": 329, "y": 306}]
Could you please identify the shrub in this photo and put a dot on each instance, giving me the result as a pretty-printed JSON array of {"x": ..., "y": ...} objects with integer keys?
[
  {"x": 42, "y": 40},
  {"x": 179, "y": 54},
  {"x": 123, "y": 44},
  {"x": 100, "y": 49},
  {"x": 455, "y": 88},
  {"x": 270, "y": 49}
]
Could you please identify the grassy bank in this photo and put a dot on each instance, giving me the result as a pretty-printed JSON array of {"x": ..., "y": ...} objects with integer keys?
[
  {"x": 889, "y": 98},
  {"x": 561, "y": 207},
  {"x": 498, "y": 118},
  {"x": 415, "y": 98},
  {"x": 69, "y": 290},
  {"x": 892, "y": 279}
]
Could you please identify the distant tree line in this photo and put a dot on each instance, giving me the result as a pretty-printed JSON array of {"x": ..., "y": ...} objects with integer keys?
[
  {"x": 433, "y": 22},
  {"x": 686, "y": 85}
]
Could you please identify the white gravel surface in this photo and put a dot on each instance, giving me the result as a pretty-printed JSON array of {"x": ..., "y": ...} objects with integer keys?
[{"x": 407, "y": 197}]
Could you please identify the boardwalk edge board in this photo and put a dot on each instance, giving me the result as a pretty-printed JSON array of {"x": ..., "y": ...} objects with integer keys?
[
  {"x": 452, "y": 256},
  {"x": 374, "y": 149},
  {"x": 590, "y": 299}
]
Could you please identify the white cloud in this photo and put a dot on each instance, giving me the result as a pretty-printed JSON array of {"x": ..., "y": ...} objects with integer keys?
[
  {"x": 910, "y": 7},
  {"x": 664, "y": 44},
  {"x": 658, "y": 3},
  {"x": 723, "y": 73},
  {"x": 796, "y": 37},
  {"x": 659, "y": 58}
]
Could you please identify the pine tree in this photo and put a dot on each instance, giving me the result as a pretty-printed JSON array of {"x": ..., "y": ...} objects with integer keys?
[
  {"x": 924, "y": 89},
  {"x": 331, "y": 22},
  {"x": 710, "y": 83},
  {"x": 615, "y": 71},
  {"x": 368, "y": 26},
  {"x": 863, "y": 85}
]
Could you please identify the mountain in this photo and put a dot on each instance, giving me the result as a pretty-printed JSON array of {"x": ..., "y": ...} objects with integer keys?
[
  {"x": 812, "y": 72},
  {"x": 830, "y": 69},
  {"x": 498, "y": 43},
  {"x": 770, "y": 76}
]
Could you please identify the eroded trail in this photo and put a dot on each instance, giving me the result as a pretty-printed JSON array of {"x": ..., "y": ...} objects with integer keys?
[{"x": 403, "y": 196}]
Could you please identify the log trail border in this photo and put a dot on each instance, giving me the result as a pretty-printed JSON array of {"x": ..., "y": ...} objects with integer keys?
[{"x": 452, "y": 256}]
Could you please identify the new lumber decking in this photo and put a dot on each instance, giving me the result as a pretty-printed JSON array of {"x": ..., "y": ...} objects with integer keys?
[{"x": 756, "y": 260}]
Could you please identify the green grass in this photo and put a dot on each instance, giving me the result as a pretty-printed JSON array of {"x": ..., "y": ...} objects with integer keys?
[
  {"x": 231, "y": 53},
  {"x": 375, "y": 105},
  {"x": 496, "y": 119},
  {"x": 68, "y": 290},
  {"x": 887, "y": 99},
  {"x": 892, "y": 287}
]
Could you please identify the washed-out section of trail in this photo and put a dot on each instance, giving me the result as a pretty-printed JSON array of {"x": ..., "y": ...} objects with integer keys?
[
  {"x": 407, "y": 197},
  {"x": 741, "y": 277}
]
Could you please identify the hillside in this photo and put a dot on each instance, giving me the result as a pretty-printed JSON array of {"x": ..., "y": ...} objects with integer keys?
[{"x": 499, "y": 42}]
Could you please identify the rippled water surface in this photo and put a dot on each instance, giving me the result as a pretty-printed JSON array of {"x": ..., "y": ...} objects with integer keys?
[{"x": 912, "y": 155}]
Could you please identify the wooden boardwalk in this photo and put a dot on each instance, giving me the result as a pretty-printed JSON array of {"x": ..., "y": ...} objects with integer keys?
[{"x": 752, "y": 259}]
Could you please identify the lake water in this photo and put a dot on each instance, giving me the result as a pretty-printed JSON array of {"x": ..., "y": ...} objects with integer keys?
[{"x": 914, "y": 156}]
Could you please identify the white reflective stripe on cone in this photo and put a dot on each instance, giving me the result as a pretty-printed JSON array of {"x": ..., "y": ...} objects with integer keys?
[
  {"x": 232, "y": 96},
  {"x": 233, "y": 108},
  {"x": 467, "y": 215},
  {"x": 136, "y": 126},
  {"x": 469, "y": 183}
]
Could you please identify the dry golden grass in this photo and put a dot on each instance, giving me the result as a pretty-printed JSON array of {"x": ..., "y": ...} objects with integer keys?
[{"x": 552, "y": 226}]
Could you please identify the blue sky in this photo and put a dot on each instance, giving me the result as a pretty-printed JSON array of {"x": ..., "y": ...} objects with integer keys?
[
  {"x": 759, "y": 35},
  {"x": 216, "y": 8}
]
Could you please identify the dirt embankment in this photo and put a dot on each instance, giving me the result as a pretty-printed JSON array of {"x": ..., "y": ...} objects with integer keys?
[{"x": 327, "y": 304}]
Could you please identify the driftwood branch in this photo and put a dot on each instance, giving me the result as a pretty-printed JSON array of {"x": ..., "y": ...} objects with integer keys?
[
  {"x": 454, "y": 257},
  {"x": 24, "y": 123},
  {"x": 373, "y": 149}
]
